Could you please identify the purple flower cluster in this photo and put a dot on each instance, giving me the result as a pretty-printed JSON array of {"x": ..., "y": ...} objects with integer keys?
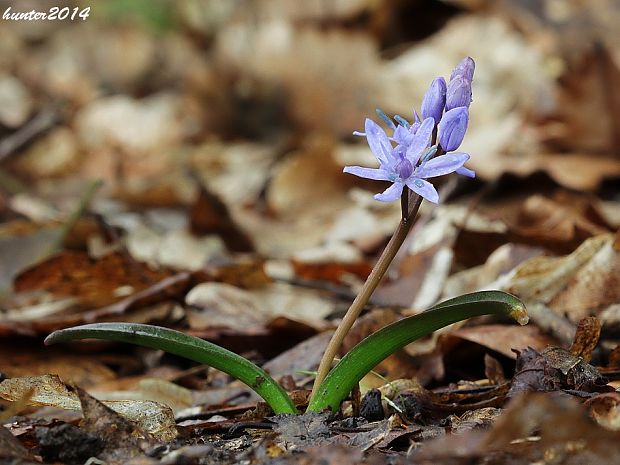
[{"x": 406, "y": 158}]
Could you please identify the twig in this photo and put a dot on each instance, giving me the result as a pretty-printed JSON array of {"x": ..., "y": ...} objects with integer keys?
[
  {"x": 75, "y": 216},
  {"x": 43, "y": 121}
]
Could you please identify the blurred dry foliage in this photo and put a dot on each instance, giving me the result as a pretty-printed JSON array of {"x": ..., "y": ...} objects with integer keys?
[{"x": 220, "y": 130}]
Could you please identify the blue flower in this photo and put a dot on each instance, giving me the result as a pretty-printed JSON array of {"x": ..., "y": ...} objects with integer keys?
[
  {"x": 410, "y": 162},
  {"x": 407, "y": 164},
  {"x": 452, "y": 128}
]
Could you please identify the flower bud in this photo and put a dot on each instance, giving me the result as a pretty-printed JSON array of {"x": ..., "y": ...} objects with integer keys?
[
  {"x": 464, "y": 69},
  {"x": 452, "y": 128},
  {"x": 458, "y": 93},
  {"x": 434, "y": 99}
]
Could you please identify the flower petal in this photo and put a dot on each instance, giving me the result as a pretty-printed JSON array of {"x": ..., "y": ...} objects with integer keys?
[
  {"x": 466, "y": 172},
  {"x": 368, "y": 173},
  {"x": 421, "y": 140},
  {"x": 423, "y": 188},
  {"x": 378, "y": 142},
  {"x": 444, "y": 164},
  {"x": 402, "y": 136},
  {"x": 391, "y": 193}
]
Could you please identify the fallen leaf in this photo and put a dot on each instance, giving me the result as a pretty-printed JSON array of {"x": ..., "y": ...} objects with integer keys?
[
  {"x": 122, "y": 439},
  {"x": 17, "y": 102},
  {"x": 562, "y": 429},
  {"x": 577, "y": 284},
  {"x": 605, "y": 410},
  {"x": 559, "y": 224},
  {"x": 220, "y": 304},
  {"x": 552, "y": 370},
  {"x": 304, "y": 356},
  {"x": 500, "y": 338},
  {"x": 331, "y": 271},
  {"x": 95, "y": 282},
  {"x": 154, "y": 418},
  {"x": 20, "y": 360},
  {"x": 209, "y": 215},
  {"x": 12, "y": 449},
  {"x": 586, "y": 338}
]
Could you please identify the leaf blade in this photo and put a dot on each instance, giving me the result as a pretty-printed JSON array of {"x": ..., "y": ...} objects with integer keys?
[
  {"x": 383, "y": 343},
  {"x": 191, "y": 347}
]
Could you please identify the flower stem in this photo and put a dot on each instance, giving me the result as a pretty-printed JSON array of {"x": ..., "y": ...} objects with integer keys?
[{"x": 373, "y": 280}]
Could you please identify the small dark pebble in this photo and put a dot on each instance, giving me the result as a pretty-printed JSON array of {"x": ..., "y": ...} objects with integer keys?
[{"x": 371, "y": 407}]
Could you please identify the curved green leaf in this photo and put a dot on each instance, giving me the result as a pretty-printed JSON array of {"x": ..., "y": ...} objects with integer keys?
[
  {"x": 380, "y": 345},
  {"x": 189, "y": 347}
]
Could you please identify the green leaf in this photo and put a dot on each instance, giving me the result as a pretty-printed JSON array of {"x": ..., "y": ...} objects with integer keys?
[
  {"x": 380, "y": 345},
  {"x": 190, "y": 347}
]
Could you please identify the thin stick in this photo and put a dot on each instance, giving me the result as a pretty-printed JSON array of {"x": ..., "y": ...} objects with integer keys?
[
  {"x": 75, "y": 216},
  {"x": 373, "y": 280},
  {"x": 42, "y": 122}
]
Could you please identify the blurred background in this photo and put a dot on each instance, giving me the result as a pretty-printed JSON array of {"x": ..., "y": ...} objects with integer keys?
[
  {"x": 220, "y": 127},
  {"x": 180, "y": 163}
]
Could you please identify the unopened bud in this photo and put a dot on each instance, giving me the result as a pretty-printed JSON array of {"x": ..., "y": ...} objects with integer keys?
[
  {"x": 464, "y": 69},
  {"x": 458, "y": 93},
  {"x": 434, "y": 99},
  {"x": 452, "y": 128}
]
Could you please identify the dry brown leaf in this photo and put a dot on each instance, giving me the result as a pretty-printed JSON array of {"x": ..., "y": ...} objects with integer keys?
[
  {"x": 95, "y": 283},
  {"x": 331, "y": 271},
  {"x": 224, "y": 166},
  {"x": 562, "y": 428},
  {"x": 49, "y": 390},
  {"x": 19, "y": 361},
  {"x": 586, "y": 338},
  {"x": 585, "y": 90},
  {"x": 500, "y": 338},
  {"x": 541, "y": 278},
  {"x": 164, "y": 392},
  {"x": 223, "y": 305},
  {"x": 304, "y": 182},
  {"x": 209, "y": 215},
  {"x": 504, "y": 259},
  {"x": 13, "y": 450},
  {"x": 21, "y": 247},
  {"x": 17, "y": 103},
  {"x": 559, "y": 224},
  {"x": 313, "y": 66},
  {"x": 304, "y": 356},
  {"x": 594, "y": 288},
  {"x": 55, "y": 154},
  {"x": 122, "y": 439},
  {"x": 605, "y": 410}
]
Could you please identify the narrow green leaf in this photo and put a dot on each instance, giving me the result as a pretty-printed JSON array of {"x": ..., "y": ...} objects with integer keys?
[
  {"x": 380, "y": 345},
  {"x": 189, "y": 347}
]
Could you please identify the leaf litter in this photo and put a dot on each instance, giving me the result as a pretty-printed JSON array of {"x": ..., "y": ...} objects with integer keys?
[{"x": 221, "y": 134}]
